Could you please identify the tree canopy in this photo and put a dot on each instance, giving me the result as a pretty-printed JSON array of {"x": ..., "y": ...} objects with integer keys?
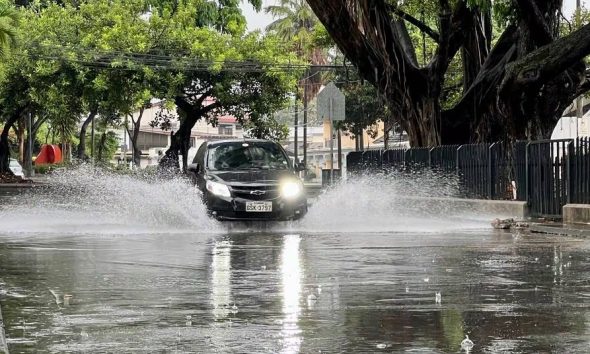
[
  {"x": 516, "y": 71},
  {"x": 106, "y": 59}
]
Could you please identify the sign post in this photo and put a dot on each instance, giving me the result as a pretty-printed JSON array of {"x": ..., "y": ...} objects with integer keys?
[{"x": 331, "y": 104}]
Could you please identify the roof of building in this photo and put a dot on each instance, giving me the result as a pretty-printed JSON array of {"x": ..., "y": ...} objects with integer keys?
[{"x": 245, "y": 140}]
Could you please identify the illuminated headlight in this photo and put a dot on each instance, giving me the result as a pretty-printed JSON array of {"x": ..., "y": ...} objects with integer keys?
[
  {"x": 291, "y": 189},
  {"x": 218, "y": 189}
]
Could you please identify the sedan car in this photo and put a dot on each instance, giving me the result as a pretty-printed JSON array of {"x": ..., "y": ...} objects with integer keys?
[
  {"x": 248, "y": 180},
  {"x": 16, "y": 168}
]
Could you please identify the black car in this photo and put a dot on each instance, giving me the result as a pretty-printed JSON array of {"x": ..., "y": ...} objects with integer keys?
[{"x": 248, "y": 180}]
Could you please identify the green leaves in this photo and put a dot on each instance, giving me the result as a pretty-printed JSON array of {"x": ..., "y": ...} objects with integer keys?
[
  {"x": 118, "y": 54},
  {"x": 9, "y": 21}
]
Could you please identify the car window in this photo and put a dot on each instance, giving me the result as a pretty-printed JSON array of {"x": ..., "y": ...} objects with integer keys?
[
  {"x": 247, "y": 156},
  {"x": 200, "y": 153}
]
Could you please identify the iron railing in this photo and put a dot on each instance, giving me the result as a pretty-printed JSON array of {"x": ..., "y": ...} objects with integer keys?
[
  {"x": 547, "y": 174},
  {"x": 580, "y": 176},
  {"x": 549, "y": 187}
]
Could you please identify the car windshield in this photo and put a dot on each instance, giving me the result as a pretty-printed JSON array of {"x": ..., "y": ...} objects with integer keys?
[{"x": 247, "y": 156}]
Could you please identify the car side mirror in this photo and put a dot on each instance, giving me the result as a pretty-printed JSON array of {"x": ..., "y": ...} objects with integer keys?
[
  {"x": 193, "y": 167},
  {"x": 299, "y": 167}
]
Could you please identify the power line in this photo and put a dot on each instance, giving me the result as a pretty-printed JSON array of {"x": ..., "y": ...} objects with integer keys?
[{"x": 138, "y": 61}]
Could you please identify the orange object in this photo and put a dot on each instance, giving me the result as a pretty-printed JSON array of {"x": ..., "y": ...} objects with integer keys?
[{"x": 50, "y": 154}]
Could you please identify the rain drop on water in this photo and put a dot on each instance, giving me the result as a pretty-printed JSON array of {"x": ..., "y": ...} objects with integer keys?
[
  {"x": 234, "y": 309},
  {"x": 467, "y": 344}
]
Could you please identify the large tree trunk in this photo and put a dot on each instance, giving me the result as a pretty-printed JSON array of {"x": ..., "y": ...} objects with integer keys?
[
  {"x": 180, "y": 141},
  {"x": 134, "y": 135},
  {"x": 4, "y": 147},
  {"x": 516, "y": 90},
  {"x": 82, "y": 144},
  {"x": 20, "y": 128},
  {"x": 101, "y": 143}
]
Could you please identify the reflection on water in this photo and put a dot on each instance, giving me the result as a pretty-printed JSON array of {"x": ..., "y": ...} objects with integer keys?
[
  {"x": 291, "y": 274},
  {"x": 221, "y": 279},
  {"x": 165, "y": 293}
]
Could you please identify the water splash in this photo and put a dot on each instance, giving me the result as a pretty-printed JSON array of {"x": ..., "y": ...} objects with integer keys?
[
  {"x": 92, "y": 200},
  {"x": 392, "y": 203},
  {"x": 89, "y": 200}
]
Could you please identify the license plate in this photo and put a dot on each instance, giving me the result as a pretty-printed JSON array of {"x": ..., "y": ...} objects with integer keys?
[{"x": 259, "y": 207}]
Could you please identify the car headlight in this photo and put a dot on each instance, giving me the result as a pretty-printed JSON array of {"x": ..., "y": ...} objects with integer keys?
[
  {"x": 218, "y": 189},
  {"x": 291, "y": 189}
]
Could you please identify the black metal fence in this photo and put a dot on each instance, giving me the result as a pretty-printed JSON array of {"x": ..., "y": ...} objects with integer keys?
[
  {"x": 547, "y": 174},
  {"x": 580, "y": 175}
]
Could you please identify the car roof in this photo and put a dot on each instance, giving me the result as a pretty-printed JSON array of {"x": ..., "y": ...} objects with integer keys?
[{"x": 234, "y": 141}]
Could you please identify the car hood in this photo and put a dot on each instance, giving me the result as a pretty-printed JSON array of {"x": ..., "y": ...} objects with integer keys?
[{"x": 250, "y": 177}]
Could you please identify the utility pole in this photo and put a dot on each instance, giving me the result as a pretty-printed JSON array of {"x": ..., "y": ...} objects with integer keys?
[
  {"x": 30, "y": 172},
  {"x": 92, "y": 142},
  {"x": 339, "y": 152},
  {"x": 295, "y": 147},
  {"x": 305, "y": 98},
  {"x": 580, "y": 99},
  {"x": 125, "y": 135},
  {"x": 331, "y": 141}
]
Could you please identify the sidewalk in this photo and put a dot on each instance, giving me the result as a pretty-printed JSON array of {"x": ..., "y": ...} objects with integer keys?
[
  {"x": 3, "y": 344},
  {"x": 576, "y": 230}
]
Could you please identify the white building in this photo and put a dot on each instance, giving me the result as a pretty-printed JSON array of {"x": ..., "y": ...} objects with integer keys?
[{"x": 154, "y": 141}]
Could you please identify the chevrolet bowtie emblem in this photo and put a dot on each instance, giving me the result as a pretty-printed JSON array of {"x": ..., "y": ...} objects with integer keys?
[{"x": 257, "y": 192}]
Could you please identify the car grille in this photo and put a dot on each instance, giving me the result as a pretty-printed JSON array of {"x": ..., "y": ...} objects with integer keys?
[{"x": 256, "y": 192}]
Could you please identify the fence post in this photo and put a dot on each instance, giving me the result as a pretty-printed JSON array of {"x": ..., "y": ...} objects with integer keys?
[
  {"x": 527, "y": 172},
  {"x": 457, "y": 168},
  {"x": 430, "y": 158},
  {"x": 490, "y": 172},
  {"x": 570, "y": 179}
]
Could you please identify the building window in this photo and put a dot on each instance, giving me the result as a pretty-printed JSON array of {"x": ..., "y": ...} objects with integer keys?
[{"x": 225, "y": 130}]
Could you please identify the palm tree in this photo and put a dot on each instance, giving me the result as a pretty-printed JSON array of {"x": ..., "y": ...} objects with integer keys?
[
  {"x": 9, "y": 18},
  {"x": 294, "y": 22}
]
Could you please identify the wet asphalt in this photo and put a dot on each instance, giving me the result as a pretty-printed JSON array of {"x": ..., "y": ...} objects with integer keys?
[{"x": 295, "y": 292}]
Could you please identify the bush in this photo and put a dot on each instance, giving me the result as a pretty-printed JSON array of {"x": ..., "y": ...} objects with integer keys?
[
  {"x": 49, "y": 168},
  {"x": 42, "y": 169}
]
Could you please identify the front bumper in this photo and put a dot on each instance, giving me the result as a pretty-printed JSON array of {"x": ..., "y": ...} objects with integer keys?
[{"x": 234, "y": 209}]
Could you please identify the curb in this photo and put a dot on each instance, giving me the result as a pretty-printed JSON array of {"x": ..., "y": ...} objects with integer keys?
[
  {"x": 559, "y": 230},
  {"x": 3, "y": 343}
]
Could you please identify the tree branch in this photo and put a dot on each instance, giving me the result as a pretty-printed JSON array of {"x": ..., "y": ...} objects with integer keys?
[
  {"x": 534, "y": 17},
  {"x": 337, "y": 19},
  {"x": 546, "y": 62},
  {"x": 183, "y": 104},
  {"x": 485, "y": 83},
  {"x": 585, "y": 86},
  {"x": 38, "y": 123},
  {"x": 405, "y": 41},
  {"x": 414, "y": 21}
]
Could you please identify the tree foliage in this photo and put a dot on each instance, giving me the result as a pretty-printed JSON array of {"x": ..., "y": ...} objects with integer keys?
[
  {"x": 9, "y": 19},
  {"x": 515, "y": 73},
  {"x": 103, "y": 60}
]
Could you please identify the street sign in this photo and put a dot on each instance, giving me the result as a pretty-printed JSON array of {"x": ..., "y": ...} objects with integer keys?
[
  {"x": 331, "y": 106},
  {"x": 331, "y": 103}
]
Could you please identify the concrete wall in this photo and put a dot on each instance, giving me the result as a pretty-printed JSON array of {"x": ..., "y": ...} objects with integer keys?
[
  {"x": 496, "y": 208},
  {"x": 576, "y": 214}
]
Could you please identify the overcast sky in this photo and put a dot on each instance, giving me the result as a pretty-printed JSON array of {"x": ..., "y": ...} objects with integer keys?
[
  {"x": 256, "y": 20},
  {"x": 261, "y": 20}
]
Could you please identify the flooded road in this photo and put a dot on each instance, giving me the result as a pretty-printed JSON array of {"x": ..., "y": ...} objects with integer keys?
[
  {"x": 102, "y": 263},
  {"x": 295, "y": 293}
]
